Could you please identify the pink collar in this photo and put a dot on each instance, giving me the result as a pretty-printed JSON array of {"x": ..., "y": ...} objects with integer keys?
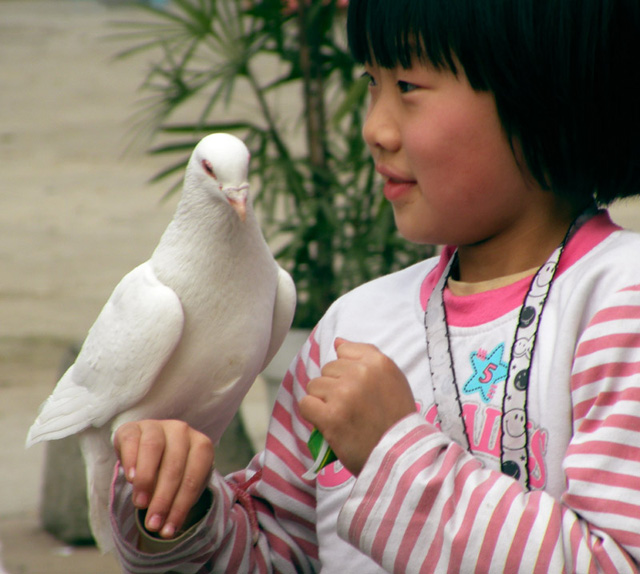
[{"x": 480, "y": 308}]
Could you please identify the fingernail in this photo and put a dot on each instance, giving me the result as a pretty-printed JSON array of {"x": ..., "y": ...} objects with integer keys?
[
  {"x": 154, "y": 522},
  {"x": 168, "y": 531},
  {"x": 141, "y": 500},
  {"x": 131, "y": 474}
]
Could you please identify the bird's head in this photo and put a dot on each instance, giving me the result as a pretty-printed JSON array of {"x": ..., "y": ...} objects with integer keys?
[{"x": 220, "y": 164}]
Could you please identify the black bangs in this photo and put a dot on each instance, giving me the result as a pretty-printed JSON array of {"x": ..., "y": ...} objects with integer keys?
[
  {"x": 563, "y": 74},
  {"x": 394, "y": 32}
]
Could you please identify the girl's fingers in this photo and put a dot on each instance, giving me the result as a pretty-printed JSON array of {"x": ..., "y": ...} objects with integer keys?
[
  {"x": 126, "y": 442},
  {"x": 196, "y": 475},
  {"x": 320, "y": 387},
  {"x": 169, "y": 467},
  {"x": 151, "y": 447}
]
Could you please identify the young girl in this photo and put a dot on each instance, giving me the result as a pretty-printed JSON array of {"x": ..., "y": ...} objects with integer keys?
[{"x": 484, "y": 405}]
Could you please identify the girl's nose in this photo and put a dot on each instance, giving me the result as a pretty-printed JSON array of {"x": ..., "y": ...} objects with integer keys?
[{"x": 380, "y": 130}]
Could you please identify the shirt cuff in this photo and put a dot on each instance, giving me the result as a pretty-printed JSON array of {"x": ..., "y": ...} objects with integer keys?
[{"x": 151, "y": 543}]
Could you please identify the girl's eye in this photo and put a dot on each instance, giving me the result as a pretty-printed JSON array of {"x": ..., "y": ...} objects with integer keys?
[
  {"x": 370, "y": 79},
  {"x": 406, "y": 87}
]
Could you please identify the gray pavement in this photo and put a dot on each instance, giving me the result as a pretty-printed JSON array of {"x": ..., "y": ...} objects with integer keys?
[{"x": 76, "y": 214}]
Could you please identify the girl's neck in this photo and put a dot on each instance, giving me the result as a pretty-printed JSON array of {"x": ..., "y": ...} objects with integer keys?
[{"x": 517, "y": 250}]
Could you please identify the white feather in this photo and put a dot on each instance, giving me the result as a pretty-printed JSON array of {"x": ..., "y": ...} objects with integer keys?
[{"x": 183, "y": 335}]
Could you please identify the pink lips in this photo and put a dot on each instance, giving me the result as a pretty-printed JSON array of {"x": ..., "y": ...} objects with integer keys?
[
  {"x": 395, "y": 189},
  {"x": 395, "y": 185}
]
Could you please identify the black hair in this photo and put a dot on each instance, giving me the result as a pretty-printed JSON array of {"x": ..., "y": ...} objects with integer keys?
[{"x": 564, "y": 74}]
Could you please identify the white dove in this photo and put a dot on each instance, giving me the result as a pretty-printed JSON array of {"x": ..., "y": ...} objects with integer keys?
[{"x": 184, "y": 334}]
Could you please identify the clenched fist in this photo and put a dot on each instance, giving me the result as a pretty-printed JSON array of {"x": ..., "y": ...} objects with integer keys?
[{"x": 357, "y": 398}]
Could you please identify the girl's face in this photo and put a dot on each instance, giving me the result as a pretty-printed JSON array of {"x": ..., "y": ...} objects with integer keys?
[{"x": 448, "y": 168}]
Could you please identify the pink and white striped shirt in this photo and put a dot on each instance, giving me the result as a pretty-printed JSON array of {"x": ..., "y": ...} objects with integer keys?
[{"x": 422, "y": 503}]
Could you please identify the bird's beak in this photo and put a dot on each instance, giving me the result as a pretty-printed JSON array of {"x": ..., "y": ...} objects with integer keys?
[{"x": 237, "y": 198}]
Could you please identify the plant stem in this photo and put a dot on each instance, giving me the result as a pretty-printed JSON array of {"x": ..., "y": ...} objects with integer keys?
[
  {"x": 266, "y": 114},
  {"x": 320, "y": 286},
  {"x": 313, "y": 91}
]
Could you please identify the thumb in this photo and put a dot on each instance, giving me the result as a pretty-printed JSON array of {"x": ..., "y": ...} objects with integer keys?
[{"x": 339, "y": 341}]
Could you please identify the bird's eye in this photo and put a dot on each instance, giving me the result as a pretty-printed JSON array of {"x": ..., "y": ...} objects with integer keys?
[{"x": 206, "y": 164}]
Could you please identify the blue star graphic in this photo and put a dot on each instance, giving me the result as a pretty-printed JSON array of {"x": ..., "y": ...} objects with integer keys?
[{"x": 488, "y": 371}]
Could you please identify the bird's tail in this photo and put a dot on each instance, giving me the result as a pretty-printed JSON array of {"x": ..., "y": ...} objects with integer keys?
[
  {"x": 100, "y": 459},
  {"x": 64, "y": 413}
]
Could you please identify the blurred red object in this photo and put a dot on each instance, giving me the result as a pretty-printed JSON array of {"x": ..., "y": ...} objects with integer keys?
[{"x": 291, "y": 6}]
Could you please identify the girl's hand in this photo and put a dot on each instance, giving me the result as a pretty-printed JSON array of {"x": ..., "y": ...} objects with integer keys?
[
  {"x": 169, "y": 465},
  {"x": 357, "y": 398}
]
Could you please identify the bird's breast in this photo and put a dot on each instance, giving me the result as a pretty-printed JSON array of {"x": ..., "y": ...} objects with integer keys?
[{"x": 228, "y": 312}]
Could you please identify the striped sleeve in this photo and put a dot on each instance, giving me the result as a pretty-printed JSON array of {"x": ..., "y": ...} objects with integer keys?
[
  {"x": 262, "y": 518},
  {"x": 423, "y": 504}
]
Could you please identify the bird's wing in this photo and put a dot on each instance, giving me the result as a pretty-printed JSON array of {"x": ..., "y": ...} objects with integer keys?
[
  {"x": 283, "y": 311},
  {"x": 125, "y": 350}
]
